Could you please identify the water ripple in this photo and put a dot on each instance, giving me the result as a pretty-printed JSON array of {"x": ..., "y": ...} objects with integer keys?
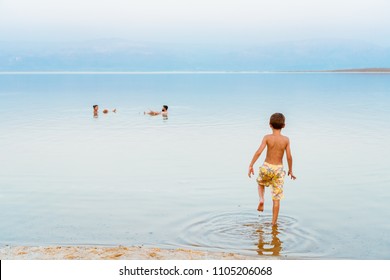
[{"x": 251, "y": 234}]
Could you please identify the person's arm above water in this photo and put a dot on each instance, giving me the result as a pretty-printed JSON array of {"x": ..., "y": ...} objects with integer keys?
[{"x": 153, "y": 113}]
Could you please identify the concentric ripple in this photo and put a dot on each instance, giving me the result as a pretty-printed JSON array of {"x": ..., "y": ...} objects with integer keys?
[{"x": 251, "y": 234}]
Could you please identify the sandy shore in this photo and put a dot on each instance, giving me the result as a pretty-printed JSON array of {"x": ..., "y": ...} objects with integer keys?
[{"x": 110, "y": 253}]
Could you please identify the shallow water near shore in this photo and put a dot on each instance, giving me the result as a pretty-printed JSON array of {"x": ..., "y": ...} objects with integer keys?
[{"x": 67, "y": 178}]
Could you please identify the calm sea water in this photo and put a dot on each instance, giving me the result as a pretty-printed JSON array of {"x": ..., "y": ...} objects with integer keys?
[{"x": 130, "y": 179}]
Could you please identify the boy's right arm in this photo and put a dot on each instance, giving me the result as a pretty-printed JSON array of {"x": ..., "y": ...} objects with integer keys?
[{"x": 256, "y": 156}]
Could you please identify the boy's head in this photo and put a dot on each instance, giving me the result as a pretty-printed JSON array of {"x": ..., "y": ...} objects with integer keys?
[
  {"x": 277, "y": 121},
  {"x": 165, "y": 108},
  {"x": 95, "y": 107}
]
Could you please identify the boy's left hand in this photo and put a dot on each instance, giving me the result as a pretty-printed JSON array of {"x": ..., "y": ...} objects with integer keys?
[
  {"x": 291, "y": 175},
  {"x": 251, "y": 172}
]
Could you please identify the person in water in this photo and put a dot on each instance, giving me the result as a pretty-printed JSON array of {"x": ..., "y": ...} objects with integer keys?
[
  {"x": 163, "y": 112},
  {"x": 271, "y": 173},
  {"x": 96, "y": 111}
]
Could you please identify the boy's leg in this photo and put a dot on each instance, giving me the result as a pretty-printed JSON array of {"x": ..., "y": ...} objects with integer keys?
[
  {"x": 277, "y": 195},
  {"x": 260, "y": 207},
  {"x": 275, "y": 211}
]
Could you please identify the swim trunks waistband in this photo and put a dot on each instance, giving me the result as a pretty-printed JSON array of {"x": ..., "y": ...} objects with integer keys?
[{"x": 273, "y": 165}]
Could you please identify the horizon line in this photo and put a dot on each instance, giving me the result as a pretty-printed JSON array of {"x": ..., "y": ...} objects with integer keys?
[{"x": 206, "y": 72}]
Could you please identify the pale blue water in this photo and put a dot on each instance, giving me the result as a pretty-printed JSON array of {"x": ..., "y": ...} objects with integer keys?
[{"x": 130, "y": 179}]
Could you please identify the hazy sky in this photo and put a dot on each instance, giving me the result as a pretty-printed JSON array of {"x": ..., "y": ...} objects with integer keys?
[{"x": 202, "y": 21}]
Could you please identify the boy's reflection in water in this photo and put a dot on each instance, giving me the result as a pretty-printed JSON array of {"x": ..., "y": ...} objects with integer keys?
[{"x": 269, "y": 242}]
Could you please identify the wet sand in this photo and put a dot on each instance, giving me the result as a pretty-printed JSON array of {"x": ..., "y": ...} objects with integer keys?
[{"x": 110, "y": 253}]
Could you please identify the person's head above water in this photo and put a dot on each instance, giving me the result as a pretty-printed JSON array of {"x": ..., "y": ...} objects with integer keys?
[
  {"x": 95, "y": 107},
  {"x": 277, "y": 121},
  {"x": 165, "y": 108}
]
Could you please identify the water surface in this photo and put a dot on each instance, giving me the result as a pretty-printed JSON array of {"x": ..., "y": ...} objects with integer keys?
[{"x": 130, "y": 179}]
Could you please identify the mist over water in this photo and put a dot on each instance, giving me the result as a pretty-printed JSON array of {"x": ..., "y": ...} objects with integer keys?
[{"x": 127, "y": 178}]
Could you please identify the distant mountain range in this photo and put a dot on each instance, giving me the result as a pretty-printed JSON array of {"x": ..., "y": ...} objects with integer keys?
[{"x": 123, "y": 55}]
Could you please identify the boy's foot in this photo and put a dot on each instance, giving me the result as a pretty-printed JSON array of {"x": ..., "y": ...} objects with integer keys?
[{"x": 260, "y": 207}]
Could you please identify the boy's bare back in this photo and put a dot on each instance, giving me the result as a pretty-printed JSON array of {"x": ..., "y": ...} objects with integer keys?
[{"x": 276, "y": 145}]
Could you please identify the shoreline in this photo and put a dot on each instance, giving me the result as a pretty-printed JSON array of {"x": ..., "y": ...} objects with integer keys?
[{"x": 112, "y": 253}]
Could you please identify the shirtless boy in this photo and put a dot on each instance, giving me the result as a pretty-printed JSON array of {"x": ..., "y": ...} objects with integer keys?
[{"x": 271, "y": 173}]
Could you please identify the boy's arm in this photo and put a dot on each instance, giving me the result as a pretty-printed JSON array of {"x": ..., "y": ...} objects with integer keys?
[
  {"x": 256, "y": 156},
  {"x": 289, "y": 161}
]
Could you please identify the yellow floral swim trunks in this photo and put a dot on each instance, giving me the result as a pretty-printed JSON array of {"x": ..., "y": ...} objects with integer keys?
[{"x": 272, "y": 175}]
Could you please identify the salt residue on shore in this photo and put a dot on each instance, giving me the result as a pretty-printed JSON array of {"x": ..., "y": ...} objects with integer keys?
[{"x": 110, "y": 253}]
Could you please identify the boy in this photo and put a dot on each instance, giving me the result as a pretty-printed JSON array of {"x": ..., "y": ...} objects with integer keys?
[{"x": 271, "y": 173}]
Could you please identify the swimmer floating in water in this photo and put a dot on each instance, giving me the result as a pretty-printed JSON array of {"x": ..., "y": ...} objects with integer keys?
[
  {"x": 164, "y": 112},
  {"x": 96, "y": 110}
]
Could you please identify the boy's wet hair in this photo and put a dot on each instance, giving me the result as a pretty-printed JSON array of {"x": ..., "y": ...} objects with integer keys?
[
  {"x": 94, "y": 106},
  {"x": 165, "y": 107},
  {"x": 277, "y": 121}
]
